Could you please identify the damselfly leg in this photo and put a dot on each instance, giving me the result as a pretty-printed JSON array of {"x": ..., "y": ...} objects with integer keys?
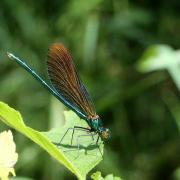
[
  {"x": 78, "y": 128},
  {"x": 88, "y": 132}
]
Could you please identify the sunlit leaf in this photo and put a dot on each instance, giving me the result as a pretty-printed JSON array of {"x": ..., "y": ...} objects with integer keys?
[
  {"x": 156, "y": 57},
  {"x": 97, "y": 176},
  {"x": 89, "y": 154},
  {"x": 161, "y": 57}
]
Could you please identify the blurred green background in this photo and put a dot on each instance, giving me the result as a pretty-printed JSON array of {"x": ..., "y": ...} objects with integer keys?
[{"x": 106, "y": 39}]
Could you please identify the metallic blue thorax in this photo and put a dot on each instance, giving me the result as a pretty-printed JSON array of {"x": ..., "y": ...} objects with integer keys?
[{"x": 95, "y": 124}]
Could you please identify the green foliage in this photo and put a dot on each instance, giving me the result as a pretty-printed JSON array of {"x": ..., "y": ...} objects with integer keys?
[
  {"x": 157, "y": 57},
  {"x": 106, "y": 40},
  {"x": 160, "y": 57},
  {"x": 46, "y": 139},
  {"x": 98, "y": 176}
]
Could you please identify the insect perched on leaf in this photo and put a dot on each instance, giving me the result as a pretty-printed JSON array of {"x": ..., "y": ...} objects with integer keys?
[{"x": 68, "y": 88}]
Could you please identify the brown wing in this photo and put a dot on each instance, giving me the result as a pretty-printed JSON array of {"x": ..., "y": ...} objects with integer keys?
[{"x": 64, "y": 78}]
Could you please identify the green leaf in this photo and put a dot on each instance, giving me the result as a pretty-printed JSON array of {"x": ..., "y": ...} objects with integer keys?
[
  {"x": 97, "y": 176},
  {"x": 161, "y": 57},
  {"x": 155, "y": 58},
  {"x": 89, "y": 154}
]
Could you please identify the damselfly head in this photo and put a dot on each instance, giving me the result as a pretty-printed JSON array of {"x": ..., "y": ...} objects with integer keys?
[{"x": 105, "y": 134}]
